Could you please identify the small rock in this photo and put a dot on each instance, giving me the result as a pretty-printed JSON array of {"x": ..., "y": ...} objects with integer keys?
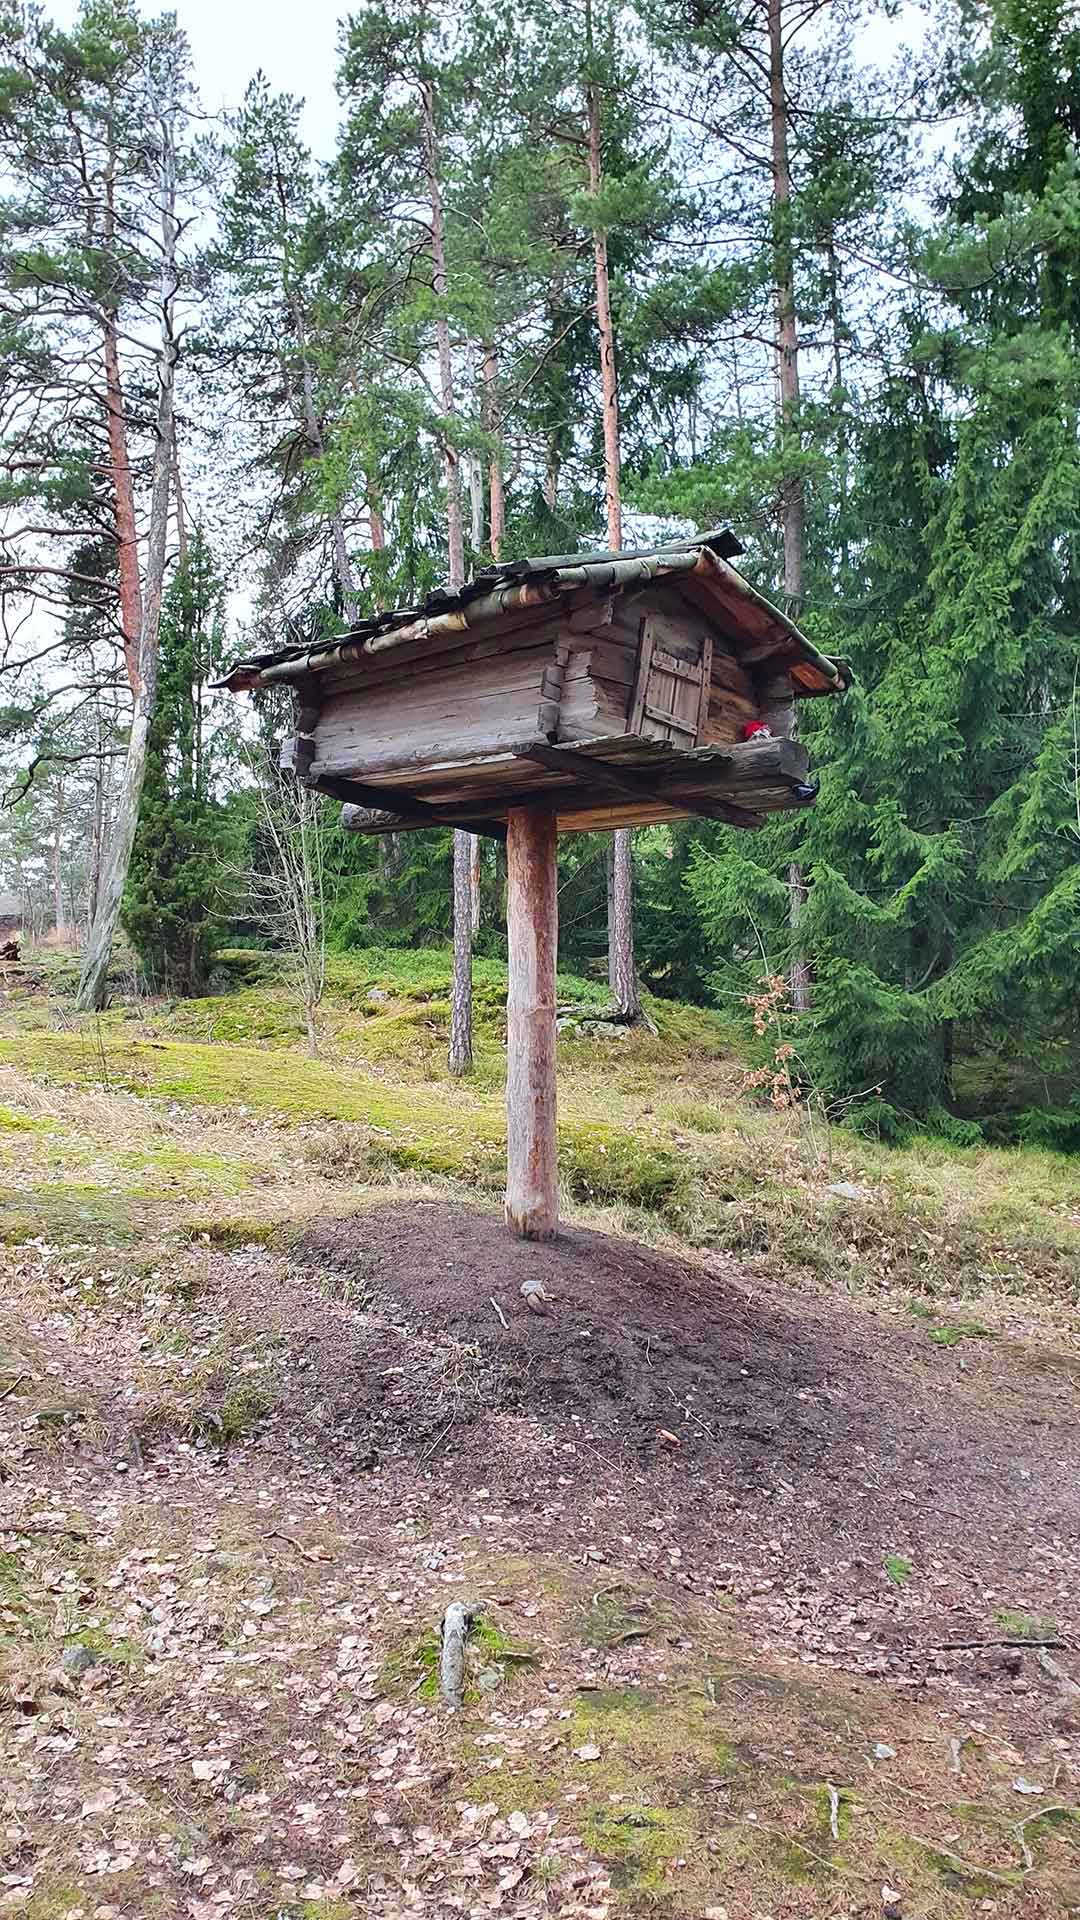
[
  {"x": 377, "y": 995},
  {"x": 882, "y": 1752},
  {"x": 78, "y": 1660},
  {"x": 849, "y": 1190},
  {"x": 489, "y": 1679},
  {"x": 1027, "y": 1786}
]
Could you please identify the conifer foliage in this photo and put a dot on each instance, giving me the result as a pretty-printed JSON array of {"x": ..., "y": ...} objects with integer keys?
[
  {"x": 174, "y": 892},
  {"x": 386, "y": 363}
]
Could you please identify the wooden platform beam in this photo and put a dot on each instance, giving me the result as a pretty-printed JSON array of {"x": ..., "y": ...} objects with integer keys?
[
  {"x": 532, "y": 924},
  {"x": 397, "y": 808},
  {"x": 636, "y": 786}
]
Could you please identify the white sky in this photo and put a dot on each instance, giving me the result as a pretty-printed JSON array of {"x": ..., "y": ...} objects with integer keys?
[
  {"x": 231, "y": 39},
  {"x": 296, "y": 47}
]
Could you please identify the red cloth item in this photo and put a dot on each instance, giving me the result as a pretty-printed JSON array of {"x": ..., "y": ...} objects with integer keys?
[{"x": 757, "y": 730}]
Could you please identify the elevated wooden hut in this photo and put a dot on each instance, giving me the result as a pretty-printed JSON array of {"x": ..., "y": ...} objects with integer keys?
[{"x": 559, "y": 694}]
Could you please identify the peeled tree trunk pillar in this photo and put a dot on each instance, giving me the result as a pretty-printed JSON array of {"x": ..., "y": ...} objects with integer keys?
[{"x": 532, "y": 923}]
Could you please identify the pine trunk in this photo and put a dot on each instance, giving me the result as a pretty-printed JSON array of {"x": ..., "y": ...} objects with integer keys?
[
  {"x": 461, "y": 1025},
  {"x": 58, "y": 862},
  {"x": 621, "y": 971},
  {"x": 793, "y": 501},
  {"x": 123, "y": 492},
  {"x": 493, "y": 424},
  {"x": 461, "y": 987},
  {"x": 313, "y": 433},
  {"x": 622, "y": 974},
  {"x": 451, "y": 464},
  {"x": 97, "y": 830},
  {"x": 102, "y": 935}
]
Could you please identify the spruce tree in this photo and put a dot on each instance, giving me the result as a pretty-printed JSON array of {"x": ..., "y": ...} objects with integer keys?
[{"x": 171, "y": 904}]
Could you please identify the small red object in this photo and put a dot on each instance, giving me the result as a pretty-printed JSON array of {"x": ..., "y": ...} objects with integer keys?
[{"x": 757, "y": 730}]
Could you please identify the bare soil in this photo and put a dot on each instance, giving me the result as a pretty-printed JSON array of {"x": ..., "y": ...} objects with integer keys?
[
  {"x": 769, "y": 1425},
  {"x": 769, "y": 1581}
]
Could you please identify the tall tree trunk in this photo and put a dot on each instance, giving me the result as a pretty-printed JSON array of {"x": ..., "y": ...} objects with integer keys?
[
  {"x": 552, "y": 465},
  {"x": 390, "y": 843},
  {"x": 794, "y": 499},
  {"x": 476, "y": 502},
  {"x": 99, "y": 945},
  {"x": 493, "y": 424},
  {"x": 622, "y": 973},
  {"x": 461, "y": 1019},
  {"x": 59, "y": 914},
  {"x": 97, "y": 827},
  {"x": 461, "y": 985},
  {"x": 451, "y": 464},
  {"x": 608, "y": 382},
  {"x": 123, "y": 492},
  {"x": 375, "y": 516},
  {"x": 343, "y": 572}
]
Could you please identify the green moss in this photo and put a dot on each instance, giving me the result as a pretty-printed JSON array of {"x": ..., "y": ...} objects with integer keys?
[
  {"x": 640, "y": 1731},
  {"x": 52, "y": 1903},
  {"x": 628, "y": 1699},
  {"x": 242, "y": 1409},
  {"x": 951, "y": 1336},
  {"x": 413, "y": 1667},
  {"x": 181, "y": 1165},
  {"x": 964, "y": 1876},
  {"x": 1019, "y": 1625},
  {"x": 696, "y": 1117},
  {"x": 613, "y": 1617},
  {"x": 116, "y": 1651},
  {"x": 14, "y": 1604},
  {"x": 12, "y": 1122},
  {"x": 638, "y": 1843},
  {"x": 68, "y": 1213},
  {"x": 234, "y": 1233},
  {"x": 610, "y": 1165}
]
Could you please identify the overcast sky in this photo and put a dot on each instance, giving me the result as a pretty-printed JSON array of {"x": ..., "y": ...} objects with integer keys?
[
  {"x": 295, "y": 45},
  {"x": 231, "y": 39}
]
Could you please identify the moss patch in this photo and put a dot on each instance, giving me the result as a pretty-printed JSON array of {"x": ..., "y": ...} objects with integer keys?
[
  {"x": 114, "y": 1650},
  {"x": 639, "y": 1844},
  {"x": 1019, "y": 1625}
]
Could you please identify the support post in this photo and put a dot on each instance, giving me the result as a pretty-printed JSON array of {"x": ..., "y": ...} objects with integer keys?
[{"x": 532, "y": 922}]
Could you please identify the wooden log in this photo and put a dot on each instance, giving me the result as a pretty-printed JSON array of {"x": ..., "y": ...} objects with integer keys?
[
  {"x": 409, "y": 811},
  {"x": 532, "y": 923}
]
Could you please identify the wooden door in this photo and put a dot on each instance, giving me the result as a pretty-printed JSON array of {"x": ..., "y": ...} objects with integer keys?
[{"x": 671, "y": 698}]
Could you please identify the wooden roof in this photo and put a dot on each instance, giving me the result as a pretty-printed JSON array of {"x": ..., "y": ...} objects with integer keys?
[{"x": 499, "y": 592}]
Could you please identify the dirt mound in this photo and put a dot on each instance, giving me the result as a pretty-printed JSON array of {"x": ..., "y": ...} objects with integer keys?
[
  {"x": 628, "y": 1342},
  {"x": 690, "y": 1374}
]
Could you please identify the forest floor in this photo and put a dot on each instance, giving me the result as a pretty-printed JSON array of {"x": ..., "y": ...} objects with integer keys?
[{"x": 770, "y": 1518}]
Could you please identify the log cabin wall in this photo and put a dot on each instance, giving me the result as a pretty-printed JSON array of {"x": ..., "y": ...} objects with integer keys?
[
  {"x": 616, "y": 655},
  {"x": 486, "y": 693}
]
